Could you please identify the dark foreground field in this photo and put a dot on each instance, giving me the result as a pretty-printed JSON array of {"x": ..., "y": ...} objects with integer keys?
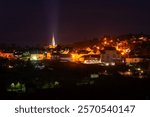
[
  {"x": 102, "y": 89},
  {"x": 72, "y": 81}
]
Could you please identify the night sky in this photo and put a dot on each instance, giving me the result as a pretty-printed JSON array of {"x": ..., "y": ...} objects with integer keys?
[{"x": 31, "y": 22}]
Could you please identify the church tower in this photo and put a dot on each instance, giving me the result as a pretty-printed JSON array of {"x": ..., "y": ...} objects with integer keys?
[{"x": 53, "y": 43}]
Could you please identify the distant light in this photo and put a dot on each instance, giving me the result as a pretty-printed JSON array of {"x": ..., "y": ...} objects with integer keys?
[
  {"x": 91, "y": 62},
  {"x": 56, "y": 83},
  {"x": 12, "y": 85},
  {"x": 107, "y": 64},
  {"x": 98, "y": 47},
  {"x": 34, "y": 58},
  {"x": 105, "y": 42},
  {"x": 111, "y": 41},
  {"x": 85, "y": 61},
  {"x": 113, "y": 64},
  {"x": 122, "y": 53},
  {"x": 94, "y": 76},
  {"x": 138, "y": 69},
  {"x": 73, "y": 56},
  {"x": 10, "y": 67},
  {"x": 129, "y": 70}
]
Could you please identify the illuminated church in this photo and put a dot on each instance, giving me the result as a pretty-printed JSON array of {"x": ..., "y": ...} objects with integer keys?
[{"x": 53, "y": 43}]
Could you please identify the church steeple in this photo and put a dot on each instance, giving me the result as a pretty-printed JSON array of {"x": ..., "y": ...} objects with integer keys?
[{"x": 53, "y": 43}]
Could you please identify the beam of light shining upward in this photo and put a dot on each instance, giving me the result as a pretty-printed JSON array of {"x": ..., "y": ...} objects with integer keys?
[{"x": 54, "y": 16}]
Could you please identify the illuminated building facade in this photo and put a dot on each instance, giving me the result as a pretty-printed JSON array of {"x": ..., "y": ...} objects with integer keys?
[
  {"x": 90, "y": 59},
  {"x": 110, "y": 55}
]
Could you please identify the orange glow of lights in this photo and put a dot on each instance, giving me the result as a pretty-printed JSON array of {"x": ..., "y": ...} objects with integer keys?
[
  {"x": 75, "y": 57},
  {"x": 105, "y": 42},
  {"x": 122, "y": 53}
]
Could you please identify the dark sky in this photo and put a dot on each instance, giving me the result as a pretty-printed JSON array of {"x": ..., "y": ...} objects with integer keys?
[{"x": 31, "y": 22}]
